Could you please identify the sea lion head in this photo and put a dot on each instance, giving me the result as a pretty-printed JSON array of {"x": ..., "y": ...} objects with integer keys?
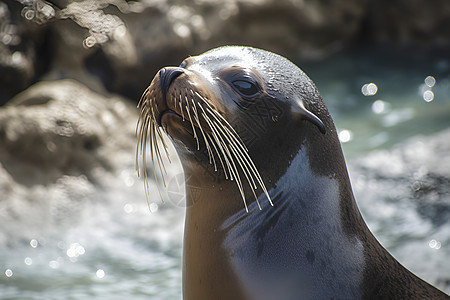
[{"x": 239, "y": 111}]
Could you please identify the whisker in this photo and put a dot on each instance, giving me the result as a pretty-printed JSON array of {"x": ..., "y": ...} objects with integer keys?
[
  {"x": 233, "y": 135},
  {"x": 252, "y": 167},
  {"x": 161, "y": 138},
  {"x": 219, "y": 144},
  {"x": 159, "y": 159},
  {"x": 234, "y": 168},
  {"x": 139, "y": 133},
  {"x": 181, "y": 108},
  {"x": 155, "y": 153},
  {"x": 147, "y": 130},
  {"x": 246, "y": 172},
  {"x": 192, "y": 123},
  {"x": 214, "y": 141},
  {"x": 208, "y": 148},
  {"x": 144, "y": 95}
]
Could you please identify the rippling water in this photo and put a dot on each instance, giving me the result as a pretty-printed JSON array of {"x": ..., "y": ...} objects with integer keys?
[
  {"x": 114, "y": 248},
  {"x": 410, "y": 94}
]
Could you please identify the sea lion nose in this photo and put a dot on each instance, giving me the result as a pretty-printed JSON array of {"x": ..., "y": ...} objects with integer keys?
[{"x": 166, "y": 77}]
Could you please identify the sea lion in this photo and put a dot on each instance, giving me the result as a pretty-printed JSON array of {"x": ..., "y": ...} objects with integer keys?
[{"x": 270, "y": 209}]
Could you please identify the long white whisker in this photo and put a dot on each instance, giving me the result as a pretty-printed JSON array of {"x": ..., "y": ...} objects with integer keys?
[
  {"x": 234, "y": 136},
  {"x": 253, "y": 168},
  {"x": 218, "y": 142},
  {"x": 161, "y": 138},
  {"x": 192, "y": 123},
  {"x": 208, "y": 148},
  {"x": 162, "y": 167},
  {"x": 214, "y": 142},
  {"x": 181, "y": 108},
  {"x": 234, "y": 168}
]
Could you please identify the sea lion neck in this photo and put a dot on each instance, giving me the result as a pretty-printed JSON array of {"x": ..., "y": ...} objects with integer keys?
[{"x": 305, "y": 203}]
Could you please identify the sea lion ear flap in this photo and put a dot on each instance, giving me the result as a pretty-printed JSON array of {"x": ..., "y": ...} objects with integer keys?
[{"x": 300, "y": 112}]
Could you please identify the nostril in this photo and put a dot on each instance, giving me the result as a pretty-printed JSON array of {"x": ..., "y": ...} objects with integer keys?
[{"x": 167, "y": 76}]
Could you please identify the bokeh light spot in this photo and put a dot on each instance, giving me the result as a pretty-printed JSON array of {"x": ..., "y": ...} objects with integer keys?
[
  {"x": 75, "y": 250},
  {"x": 128, "y": 208},
  {"x": 33, "y": 243},
  {"x": 430, "y": 81},
  {"x": 9, "y": 273},
  {"x": 100, "y": 273},
  {"x": 28, "y": 261},
  {"x": 369, "y": 89},
  {"x": 345, "y": 136},
  {"x": 428, "y": 96},
  {"x": 434, "y": 244},
  {"x": 380, "y": 106}
]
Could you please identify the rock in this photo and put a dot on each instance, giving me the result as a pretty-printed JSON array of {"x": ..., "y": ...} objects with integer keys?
[
  {"x": 167, "y": 32},
  {"x": 297, "y": 29},
  {"x": 20, "y": 41},
  {"x": 62, "y": 128},
  {"x": 118, "y": 45},
  {"x": 414, "y": 23},
  {"x": 91, "y": 46}
]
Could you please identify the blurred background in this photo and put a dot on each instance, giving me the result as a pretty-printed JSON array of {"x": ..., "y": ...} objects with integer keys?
[{"x": 75, "y": 222}]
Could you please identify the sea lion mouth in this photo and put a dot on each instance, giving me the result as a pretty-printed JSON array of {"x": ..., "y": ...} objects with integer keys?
[
  {"x": 174, "y": 100},
  {"x": 170, "y": 112}
]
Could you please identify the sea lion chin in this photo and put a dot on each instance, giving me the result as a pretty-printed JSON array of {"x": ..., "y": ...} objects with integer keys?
[{"x": 270, "y": 209}]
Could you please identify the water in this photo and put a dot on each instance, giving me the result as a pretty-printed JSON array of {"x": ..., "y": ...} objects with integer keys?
[
  {"x": 114, "y": 248},
  {"x": 108, "y": 245},
  {"x": 401, "y": 110}
]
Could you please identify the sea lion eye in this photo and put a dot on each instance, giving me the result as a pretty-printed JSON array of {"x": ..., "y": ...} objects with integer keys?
[{"x": 245, "y": 88}]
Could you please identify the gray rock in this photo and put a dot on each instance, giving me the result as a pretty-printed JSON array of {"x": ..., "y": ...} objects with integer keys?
[
  {"x": 62, "y": 128},
  {"x": 19, "y": 43},
  {"x": 118, "y": 45},
  {"x": 410, "y": 22}
]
